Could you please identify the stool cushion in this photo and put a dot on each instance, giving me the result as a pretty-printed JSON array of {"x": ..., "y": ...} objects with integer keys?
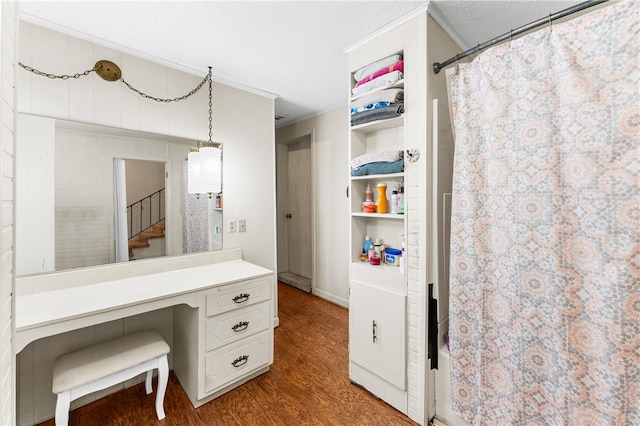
[{"x": 103, "y": 359}]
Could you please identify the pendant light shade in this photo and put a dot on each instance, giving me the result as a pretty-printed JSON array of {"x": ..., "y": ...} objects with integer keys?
[
  {"x": 194, "y": 177},
  {"x": 204, "y": 162},
  {"x": 210, "y": 160},
  {"x": 204, "y": 170}
]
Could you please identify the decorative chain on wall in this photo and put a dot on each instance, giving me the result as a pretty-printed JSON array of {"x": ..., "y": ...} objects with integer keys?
[{"x": 109, "y": 71}]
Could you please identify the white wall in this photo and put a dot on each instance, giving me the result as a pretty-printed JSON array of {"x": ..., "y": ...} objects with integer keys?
[
  {"x": 143, "y": 178},
  {"x": 8, "y": 31},
  {"x": 330, "y": 164},
  {"x": 242, "y": 121}
]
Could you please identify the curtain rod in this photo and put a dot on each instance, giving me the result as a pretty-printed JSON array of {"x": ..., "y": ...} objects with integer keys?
[{"x": 437, "y": 66}]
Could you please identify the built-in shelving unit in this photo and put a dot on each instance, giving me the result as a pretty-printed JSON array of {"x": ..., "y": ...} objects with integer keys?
[
  {"x": 377, "y": 313},
  {"x": 389, "y": 354}
]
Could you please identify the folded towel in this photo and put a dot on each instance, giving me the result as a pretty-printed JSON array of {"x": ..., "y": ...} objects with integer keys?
[
  {"x": 379, "y": 168},
  {"x": 376, "y": 157},
  {"x": 385, "y": 95},
  {"x": 369, "y": 107},
  {"x": 393, "y": 110},
  {"x": 375, "y": 66},
  {"x": 383, "y": 81},
  {"x": 398, "y": 66}
]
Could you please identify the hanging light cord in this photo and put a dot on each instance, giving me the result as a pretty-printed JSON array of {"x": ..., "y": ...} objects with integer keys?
[
  {"x": 144, "y": 95},
  {"x": 210, "y": 108}
]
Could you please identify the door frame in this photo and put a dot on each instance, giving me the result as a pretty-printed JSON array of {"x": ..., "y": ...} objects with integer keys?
[{"x": 282, "y": 147}]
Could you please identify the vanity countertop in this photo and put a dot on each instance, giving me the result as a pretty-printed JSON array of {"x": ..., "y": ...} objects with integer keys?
[{"x": 44, "y": 311}]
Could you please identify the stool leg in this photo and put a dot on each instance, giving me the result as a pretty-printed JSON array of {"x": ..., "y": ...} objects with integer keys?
[
  {"x": 62, "y": 408},
  {"x": 163, "y": 379},
  {"x": 147, "y": 382}
]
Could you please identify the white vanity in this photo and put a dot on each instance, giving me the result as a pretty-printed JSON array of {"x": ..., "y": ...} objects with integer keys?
[{"x": 223, "y": 311}]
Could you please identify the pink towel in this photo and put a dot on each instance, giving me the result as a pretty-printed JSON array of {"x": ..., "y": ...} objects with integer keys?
[{"x": 398, "y": 66}]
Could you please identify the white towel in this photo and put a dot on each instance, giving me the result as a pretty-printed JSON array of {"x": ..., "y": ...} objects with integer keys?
[
  {"x": 376, "y": 157},
  {"x": 384, "y": 80},
  {"x": 387, "y": 95},
  {"x": 375, "y": 66}
]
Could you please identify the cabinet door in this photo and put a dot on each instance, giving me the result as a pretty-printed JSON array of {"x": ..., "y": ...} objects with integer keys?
[{"x": 377, "y": 332}]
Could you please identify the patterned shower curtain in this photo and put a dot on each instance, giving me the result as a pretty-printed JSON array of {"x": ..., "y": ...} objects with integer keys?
[{"x": 545, "y": 238}]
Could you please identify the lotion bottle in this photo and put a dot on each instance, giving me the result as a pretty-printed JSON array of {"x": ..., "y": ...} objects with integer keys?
[{"x": 382, "y": 197}]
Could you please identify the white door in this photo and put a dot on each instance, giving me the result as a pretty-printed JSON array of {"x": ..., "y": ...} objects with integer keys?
[{"x": 299, "y": 208}]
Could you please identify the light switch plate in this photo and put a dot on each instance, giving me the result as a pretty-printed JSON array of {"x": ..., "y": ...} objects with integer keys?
[
  {"x": 231, "y": 225},
  {"x": 242, "y": 225}
]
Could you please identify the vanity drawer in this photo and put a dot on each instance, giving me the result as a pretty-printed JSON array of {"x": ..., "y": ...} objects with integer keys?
[
  {"x": 234, "y": 296},
  {"x": 231, "y": 362},
  {"x": 235, "y": 325}
]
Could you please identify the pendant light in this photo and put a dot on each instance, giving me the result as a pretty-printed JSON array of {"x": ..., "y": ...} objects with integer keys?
[{"x": 204, "y": 162}]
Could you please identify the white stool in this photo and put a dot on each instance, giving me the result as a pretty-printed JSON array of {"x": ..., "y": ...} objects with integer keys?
[{"x": 99, "y": 366}]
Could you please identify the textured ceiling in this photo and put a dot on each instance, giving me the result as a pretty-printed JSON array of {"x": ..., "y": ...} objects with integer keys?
[{"x": 291, "y": 49}]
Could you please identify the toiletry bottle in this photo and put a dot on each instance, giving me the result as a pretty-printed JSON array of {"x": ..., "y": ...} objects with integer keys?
[
  {"x": 218, "y": 201},
  {"x": 366, "y": 244},
  {"x": 376, "y": 247},
  {"x": 382, "y": 197},
  {"x": 371, "y": 251},
  {"x": 401, "y": 200},
  {"x": 368, "y": 196},
  {"x": 394, "y": 202}
]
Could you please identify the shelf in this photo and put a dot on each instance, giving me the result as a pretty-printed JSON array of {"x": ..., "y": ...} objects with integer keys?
[
  {"x": 379, "y": 177},
  {"x": 396, "y": 216},
  {"x": 398, "y": 85},
  {"x": 378, "y": 125},
  {"x": 390, "y": 278}
]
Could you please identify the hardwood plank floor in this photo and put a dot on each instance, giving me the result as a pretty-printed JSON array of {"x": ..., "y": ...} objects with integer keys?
[{"x": 308, "y": 383}]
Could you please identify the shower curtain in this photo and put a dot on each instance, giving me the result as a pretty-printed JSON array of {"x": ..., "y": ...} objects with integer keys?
[{"x": 545, "y": 239}]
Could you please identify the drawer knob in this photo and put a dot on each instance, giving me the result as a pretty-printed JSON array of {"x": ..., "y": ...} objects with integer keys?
[
  {"x": 240, "y": 361},
  {"x": 241, "y": 326},
  {"x": 241, "y": 298}
]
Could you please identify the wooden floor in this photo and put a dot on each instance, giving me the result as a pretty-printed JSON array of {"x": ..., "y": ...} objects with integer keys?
[{"x": 308, "y": 383}]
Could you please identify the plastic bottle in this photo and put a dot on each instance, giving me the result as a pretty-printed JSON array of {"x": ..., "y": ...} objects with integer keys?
[
  {"x": 376, "y": 247},
  {"x": 382, "y": 197},
  {"x": 372, "y": 252},
  {"x": 401, "y": 200},
  {"x": 368, "y": 196},
  {"x": 394, "y": 202},
  {"x": 366, "y": 244}
]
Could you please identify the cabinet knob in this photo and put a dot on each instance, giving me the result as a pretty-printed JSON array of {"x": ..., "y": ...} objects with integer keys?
[
  {"x": 241, "y": 326},
  {"x": 241, "y": 298},
  {"x": 288, "y": 215},
  {"x": 240, "y": 361}
]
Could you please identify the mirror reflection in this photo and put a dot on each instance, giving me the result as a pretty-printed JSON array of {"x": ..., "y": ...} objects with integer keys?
[{"x": 92, "y": 195}]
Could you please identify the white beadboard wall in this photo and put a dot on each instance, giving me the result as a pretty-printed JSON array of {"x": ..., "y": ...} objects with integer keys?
[
  {"x": 242, "y": 121},
  {"x": 8, "y": 65}
]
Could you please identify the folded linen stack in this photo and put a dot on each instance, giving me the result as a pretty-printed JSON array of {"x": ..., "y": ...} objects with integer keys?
[
  {"x": 380, "y": 104},
  {"x": 378, "y": 163}
]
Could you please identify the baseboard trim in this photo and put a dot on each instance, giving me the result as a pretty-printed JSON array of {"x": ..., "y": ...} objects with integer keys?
[{"x": 331, "y": 297}]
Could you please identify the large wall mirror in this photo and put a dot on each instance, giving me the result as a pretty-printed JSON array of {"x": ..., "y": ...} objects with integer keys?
[{"x": 90, "y": 195}]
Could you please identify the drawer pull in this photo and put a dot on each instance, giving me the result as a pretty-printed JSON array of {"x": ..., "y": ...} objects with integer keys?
[
  {"x": 240, "y": 361},
  {"x": 241, "y": 326},
  {"x": 241, "y": 298}
]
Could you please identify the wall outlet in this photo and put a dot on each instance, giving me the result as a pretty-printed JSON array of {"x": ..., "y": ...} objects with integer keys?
[
  {"x": 242, "y": 225},
  {"x": 231, "y": 225}
]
